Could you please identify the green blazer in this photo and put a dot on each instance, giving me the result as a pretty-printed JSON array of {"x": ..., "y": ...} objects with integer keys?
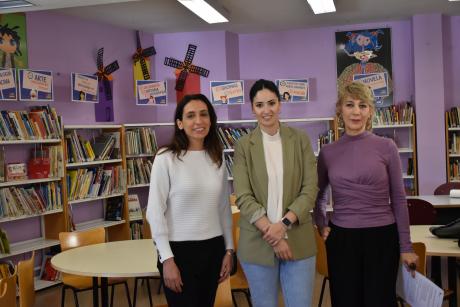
[{"x": 299, "y": 193}]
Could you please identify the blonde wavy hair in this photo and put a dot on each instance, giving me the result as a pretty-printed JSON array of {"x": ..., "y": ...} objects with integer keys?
[{"x": 355, "y": 90}]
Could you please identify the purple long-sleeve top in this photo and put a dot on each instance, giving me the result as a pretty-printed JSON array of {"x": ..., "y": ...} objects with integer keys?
[{"x": 364, "y": 172}]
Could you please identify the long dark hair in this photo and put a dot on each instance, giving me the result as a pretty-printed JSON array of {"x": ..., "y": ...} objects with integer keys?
[{"x": 180, "y": 142}]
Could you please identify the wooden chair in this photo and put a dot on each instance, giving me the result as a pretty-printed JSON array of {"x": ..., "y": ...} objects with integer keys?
[
  {"x": 238, "y": 281},
  {"x": 444, "y": 189},
  {"x": 76, "y": 283},
  {"x": 8, "y": 291},
  {"x": 26, "y": 282},
  {"x": 421, "y": 212},
  {"x": 321, "y": 263},
  {"x": 224, "y": 296}
]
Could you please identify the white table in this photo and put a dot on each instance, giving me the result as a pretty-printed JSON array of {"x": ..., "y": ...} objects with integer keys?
[
  {"x": 439, "y": 201},
  {"x": 439, "y": 247},
  {"x": 131, "y": 258}
]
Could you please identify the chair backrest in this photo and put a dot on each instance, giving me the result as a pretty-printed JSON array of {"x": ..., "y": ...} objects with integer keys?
[
  {"x": 26, "y": 282},
  {"x": 235, "y": 228},
  {"x": 8, "y": 291},
  {"x": 420, "y": 250},
  {"x": 146, "y": 227},
  {"x": 444, "y": 189},
  {"x": 224, "y": 295},
  {"x": 421, "y": 212},
  {"x": 321, "y": 256},
  {"x": 74, "y": 239}
]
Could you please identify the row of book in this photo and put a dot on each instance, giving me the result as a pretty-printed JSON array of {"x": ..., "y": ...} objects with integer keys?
[
  {"x": 19, "y": 201},
  {"x": 453, "y": 117},
  {"x": 136, "y": 230},
  {"x": 229, "y": 164},
  {"x": 454, "y": 144},
  {"x": 229, "y": 136},
  {"x": 4, "y": 242},
  {"x": 396, "y": 114},
  {"x": 325, "y": 138},
  {"x": 454, "y": 168},
  {"x": 138, "y": 171},
  {"x": 41, "y": 122},
  {"x": 141, "y": 141},
  {"x": 93, "y": 182},
  {"x": 103, "y": 147}
]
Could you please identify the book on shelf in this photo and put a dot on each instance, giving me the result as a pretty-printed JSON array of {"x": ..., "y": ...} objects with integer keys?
[
  {"x": 16, "y": 171},
  {"x": 141, "y": 141},
  {"x": 47, "y": 272},
  {"x": 453, "y": 118},
  {"x": 136, "y": 230},
  {"x": 4, "y": 243},
  {"x": 410, "y": 167},
  {"x": 107, "y": 146},
  {"x": 325, "y": 138},
  {"x": 78, "y": 148},
  {"x": 114, "y": 209},
  {"x": 2, "y": 164},
  {"x": 134, "y": 206},
  {"x": 138, "y": 170},
  {"x": 229, "y": 165},
  {"x": 7, "y": 268},
  {"x": 228, "y": 136},
  {"x": 394, "y": 115}
]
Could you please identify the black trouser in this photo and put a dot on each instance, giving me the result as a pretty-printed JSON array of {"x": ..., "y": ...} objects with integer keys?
[
  {"x": 363, "y": 266},
  {"x": 199, "y": 263}
]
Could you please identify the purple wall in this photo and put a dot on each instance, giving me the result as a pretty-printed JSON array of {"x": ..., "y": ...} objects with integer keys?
[{"x": 451, "y": 45}]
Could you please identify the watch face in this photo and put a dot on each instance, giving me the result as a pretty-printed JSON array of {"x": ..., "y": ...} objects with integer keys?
[{"x": 286, "y": 221}]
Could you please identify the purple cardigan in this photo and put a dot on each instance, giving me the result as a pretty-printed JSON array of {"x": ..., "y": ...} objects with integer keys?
[{"x": 365, "y": 174}]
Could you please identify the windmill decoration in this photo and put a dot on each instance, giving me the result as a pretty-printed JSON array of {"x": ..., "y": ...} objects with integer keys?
[
  {"x": 104, "y": 109},
  {"x": 141, "y": 66},
  {"x": 184, "y": 69}
]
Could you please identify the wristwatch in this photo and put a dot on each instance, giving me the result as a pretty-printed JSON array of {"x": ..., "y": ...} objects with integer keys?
[{"x": 286, "y": 222}]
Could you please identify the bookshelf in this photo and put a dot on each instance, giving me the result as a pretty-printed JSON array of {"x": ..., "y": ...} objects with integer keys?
[
  {"x": 95, "y": 172},
  {"x": 452, "y": 135}
]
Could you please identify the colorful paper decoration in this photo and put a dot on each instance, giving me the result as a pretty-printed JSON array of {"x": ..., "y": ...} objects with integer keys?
[
  {"x": 141, "y": 62},
  {"x": 104, "y": 109},
  {"x": 186, "y": 67}
]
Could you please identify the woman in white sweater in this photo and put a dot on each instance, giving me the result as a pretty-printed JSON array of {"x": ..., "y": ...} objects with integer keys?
[{"x": 188, "y": 207}]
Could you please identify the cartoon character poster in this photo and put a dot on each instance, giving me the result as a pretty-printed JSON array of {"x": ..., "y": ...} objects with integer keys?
[
  {"x": 365, "y": 56},
  {"x": 13, "y": 41}
]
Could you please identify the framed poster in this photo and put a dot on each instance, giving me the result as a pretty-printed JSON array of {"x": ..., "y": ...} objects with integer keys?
[
  {"x": 8, "y": 88},
  {"x": 293, "y": 90},
  {"x": 35, "y": 85},
  {"x": 227, "y": 92},
  {"x": 13, "y": 48},
  {"x": 365, "y": 56},
  {"x": 151, "y": 93},
  {"x": 84, "y": 88}
]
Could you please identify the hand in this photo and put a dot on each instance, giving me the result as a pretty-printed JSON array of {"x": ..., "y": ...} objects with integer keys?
[
  {"x": 282, "y": 250},
  {"x": 325, "y": 231},
  {"x": 274, "y": 233},
  {"x": 171, "y": 275},
  {"x": 226, "y": 268},
  {"x": 410, "y": 261}
]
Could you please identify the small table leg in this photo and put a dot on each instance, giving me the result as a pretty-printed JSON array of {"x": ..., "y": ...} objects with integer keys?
[
  {"x": 95, "y": 293},
  {"x": 452, "y": 280},
  {"x": 104, "y": 292}
]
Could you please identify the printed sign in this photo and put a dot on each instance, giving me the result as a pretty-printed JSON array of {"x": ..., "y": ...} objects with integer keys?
[
  {"x": 35, "y": 85},
  {"x": 293, "y": 90},
  {"x": 8, "y": 89},
  {"x": 151, "y": 93},
  {"x": 84, "y": 88},
  {"x": 378, "y": 82},
  {"x": 227, "y": 92}
]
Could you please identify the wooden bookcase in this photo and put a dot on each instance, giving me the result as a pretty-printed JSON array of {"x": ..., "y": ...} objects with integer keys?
[{"x": 452, "y": 135}]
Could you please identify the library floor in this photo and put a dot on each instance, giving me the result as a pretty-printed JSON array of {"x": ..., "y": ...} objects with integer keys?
[{"x": 52, "y": 297}]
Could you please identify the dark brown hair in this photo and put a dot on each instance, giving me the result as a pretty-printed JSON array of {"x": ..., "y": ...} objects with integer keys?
[{"x": 179, "y": 143}]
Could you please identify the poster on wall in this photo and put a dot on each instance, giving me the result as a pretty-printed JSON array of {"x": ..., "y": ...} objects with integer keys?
[
  {"x": 227, "y": 92},
  {"x": 84, "y": 88},
  {"x": 13, "y": 43},
  {"x": 151, "y": 93},
  {"x": 35, "y": 85},
  {"x": 8, "y": 89},
  {"x": 365, "y": 56},
  {"x": 293, "y": 90}
]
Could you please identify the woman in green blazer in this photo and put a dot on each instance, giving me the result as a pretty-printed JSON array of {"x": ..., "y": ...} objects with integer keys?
[{"x": 275, "y": 183}]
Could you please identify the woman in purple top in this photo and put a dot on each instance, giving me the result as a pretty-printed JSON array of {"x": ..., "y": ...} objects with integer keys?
[{"x": 369, "y": 230}]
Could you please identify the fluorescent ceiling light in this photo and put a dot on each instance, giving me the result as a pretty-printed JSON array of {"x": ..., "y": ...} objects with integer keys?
[
  {"x": 10, "y": 4},
  {"x": 204, "y": 11},
  {"x": 322, "y": 6}
]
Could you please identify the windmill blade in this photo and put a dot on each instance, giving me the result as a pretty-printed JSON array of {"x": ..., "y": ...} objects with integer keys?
[
  {"x": 189, "y": 55},
  {"x": 138, "y": 41},
  {"x": 148, "y": 52},
  {"x": 145, "y": 69},
  {"x": 99, "y": 59},
  {"x": 173, "y": 63},
  {"x": 181, "y": 80},
  {"x": 199, "y": 70},
  {"x": 107, "y": 89},
  {"x": 111, "y": 67}
]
